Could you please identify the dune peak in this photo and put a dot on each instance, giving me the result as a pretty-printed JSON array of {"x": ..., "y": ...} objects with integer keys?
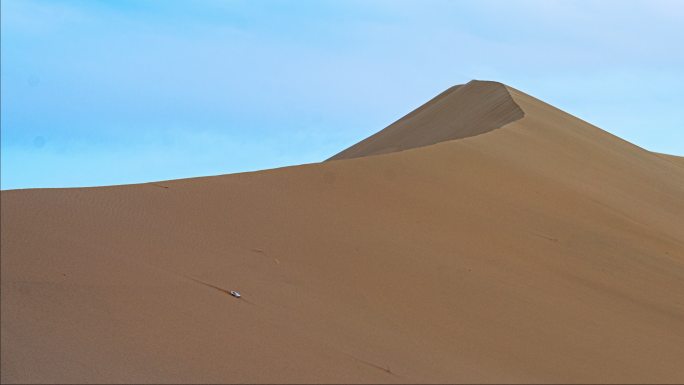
[{"x": 461, "y": 111}]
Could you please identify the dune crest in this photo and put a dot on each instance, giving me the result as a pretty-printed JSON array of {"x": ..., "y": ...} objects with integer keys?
[{"x": 461, "y": 111}]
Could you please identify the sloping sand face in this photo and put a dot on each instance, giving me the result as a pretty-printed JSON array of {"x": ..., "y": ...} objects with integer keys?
[
  {"x": 459, "y": 112},
  {"x": 540, "y": 250}
]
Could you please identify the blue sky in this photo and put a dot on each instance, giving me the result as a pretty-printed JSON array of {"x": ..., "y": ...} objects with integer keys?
[{"x": 111, "y": 92}]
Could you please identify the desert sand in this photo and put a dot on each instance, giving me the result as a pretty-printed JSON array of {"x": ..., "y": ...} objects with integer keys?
[{"x": 485, "y": 237}]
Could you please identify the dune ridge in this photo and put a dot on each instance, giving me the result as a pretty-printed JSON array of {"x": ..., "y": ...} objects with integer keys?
[
  {"x": 542, "y": 250},
  {"x": 459, "y": 112}
]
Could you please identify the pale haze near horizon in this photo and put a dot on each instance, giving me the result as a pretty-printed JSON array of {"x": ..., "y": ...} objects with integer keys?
[{"x": 98, "y": 93}]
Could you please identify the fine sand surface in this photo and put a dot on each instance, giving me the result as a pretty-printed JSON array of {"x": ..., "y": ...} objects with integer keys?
[{"x": 507, "y": 242}]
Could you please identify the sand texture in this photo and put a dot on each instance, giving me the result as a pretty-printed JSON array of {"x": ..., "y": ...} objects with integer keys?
[{"x": 485, "y": 237}]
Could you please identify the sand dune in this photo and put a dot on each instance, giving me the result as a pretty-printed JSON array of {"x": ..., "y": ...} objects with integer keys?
[
  {"x": 672, "y": 158},
  {"x": 489, "y": 238},
  {"x": 459, "y": 112}
]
